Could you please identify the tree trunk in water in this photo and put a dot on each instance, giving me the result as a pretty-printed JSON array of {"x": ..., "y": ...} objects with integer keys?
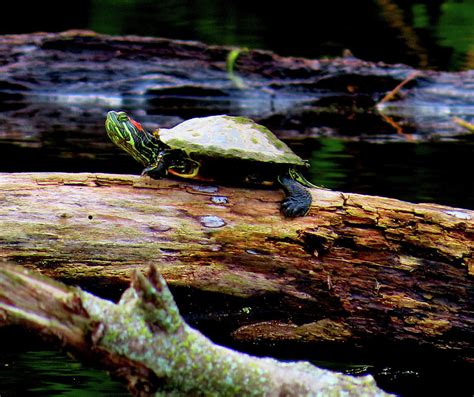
[
  {"x": 84, "y": 74},
  {"x": 356, "y": 268}
]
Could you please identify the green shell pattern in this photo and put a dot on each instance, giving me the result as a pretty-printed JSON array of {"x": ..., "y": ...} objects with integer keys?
[{"x": 229, "y": 137}]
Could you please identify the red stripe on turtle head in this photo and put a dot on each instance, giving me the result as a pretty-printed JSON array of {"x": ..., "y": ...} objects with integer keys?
[{"x": 137, "y": 125}]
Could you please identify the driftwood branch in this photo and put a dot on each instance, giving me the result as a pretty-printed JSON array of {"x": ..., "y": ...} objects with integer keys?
[
  {"x": 145, "y": 341},
  {"x": 357, "y": 268}
]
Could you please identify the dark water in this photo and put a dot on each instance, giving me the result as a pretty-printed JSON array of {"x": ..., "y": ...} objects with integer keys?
[
  {"x": 419, "y": 172},
  {"x": 50, "y": 373},
  {"x": 425, "y": 34},
  {"x": 35, "y": 370}
]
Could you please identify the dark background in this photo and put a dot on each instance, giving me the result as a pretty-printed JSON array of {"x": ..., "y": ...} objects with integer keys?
[{"x": 425, "y": 33}]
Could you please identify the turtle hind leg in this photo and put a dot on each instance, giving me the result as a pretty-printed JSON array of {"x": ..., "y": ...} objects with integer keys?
[
  {"x": 297, "y": 201},
  {"x": 185, "y": 168},
  {"x": 297, "y": 176}
]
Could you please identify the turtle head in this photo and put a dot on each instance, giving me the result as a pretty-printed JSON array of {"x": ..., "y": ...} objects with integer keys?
[{"x": 130, "y": 136}]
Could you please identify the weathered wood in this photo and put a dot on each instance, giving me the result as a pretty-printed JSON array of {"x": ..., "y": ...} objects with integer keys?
[
  {"x": 144, "y": 340},
  {"x": 357, "y": 268},
  {"x": 48, "y": 78}
]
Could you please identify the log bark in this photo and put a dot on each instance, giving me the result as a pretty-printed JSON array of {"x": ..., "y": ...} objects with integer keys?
[
  {"x": 145, "y": 341},
  {"x": 47, "y": 78},
  {"x": 356, "y": 269}
]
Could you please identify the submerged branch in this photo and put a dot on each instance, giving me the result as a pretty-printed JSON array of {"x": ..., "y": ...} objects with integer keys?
[{"x": 144, "y": 337}]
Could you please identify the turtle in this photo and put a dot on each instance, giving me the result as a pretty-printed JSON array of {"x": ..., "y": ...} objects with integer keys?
[{"x": 213, "y": 148}]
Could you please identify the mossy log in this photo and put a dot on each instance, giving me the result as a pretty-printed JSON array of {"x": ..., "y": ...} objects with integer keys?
[
  {"x": 356, "y": 269},
  {"x": 144, "y": 340},
  {"x": 82, "y": 74}
]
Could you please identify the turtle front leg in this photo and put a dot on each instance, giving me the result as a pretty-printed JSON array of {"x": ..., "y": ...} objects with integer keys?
[
  {"x": 159, "y": 168},
  {"x": 297, "y": 201}
]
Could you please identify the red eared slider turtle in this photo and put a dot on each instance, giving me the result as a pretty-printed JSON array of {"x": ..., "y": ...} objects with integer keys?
[{"x": 215, "y": 148}]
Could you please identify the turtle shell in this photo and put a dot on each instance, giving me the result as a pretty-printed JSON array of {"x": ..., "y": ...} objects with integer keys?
[{"x": 229, "y": 137}]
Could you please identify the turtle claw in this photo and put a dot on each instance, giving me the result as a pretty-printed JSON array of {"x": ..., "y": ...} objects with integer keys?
[
  {"x": 293, "y": 207},
  {"x": 145, "y": 172}
]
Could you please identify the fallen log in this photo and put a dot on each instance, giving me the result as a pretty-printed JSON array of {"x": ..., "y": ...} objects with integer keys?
[
  {"x": 145, "y": 342},
  {"x": 49, "y": 78},
  {"x": 356, "y": 269}
]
